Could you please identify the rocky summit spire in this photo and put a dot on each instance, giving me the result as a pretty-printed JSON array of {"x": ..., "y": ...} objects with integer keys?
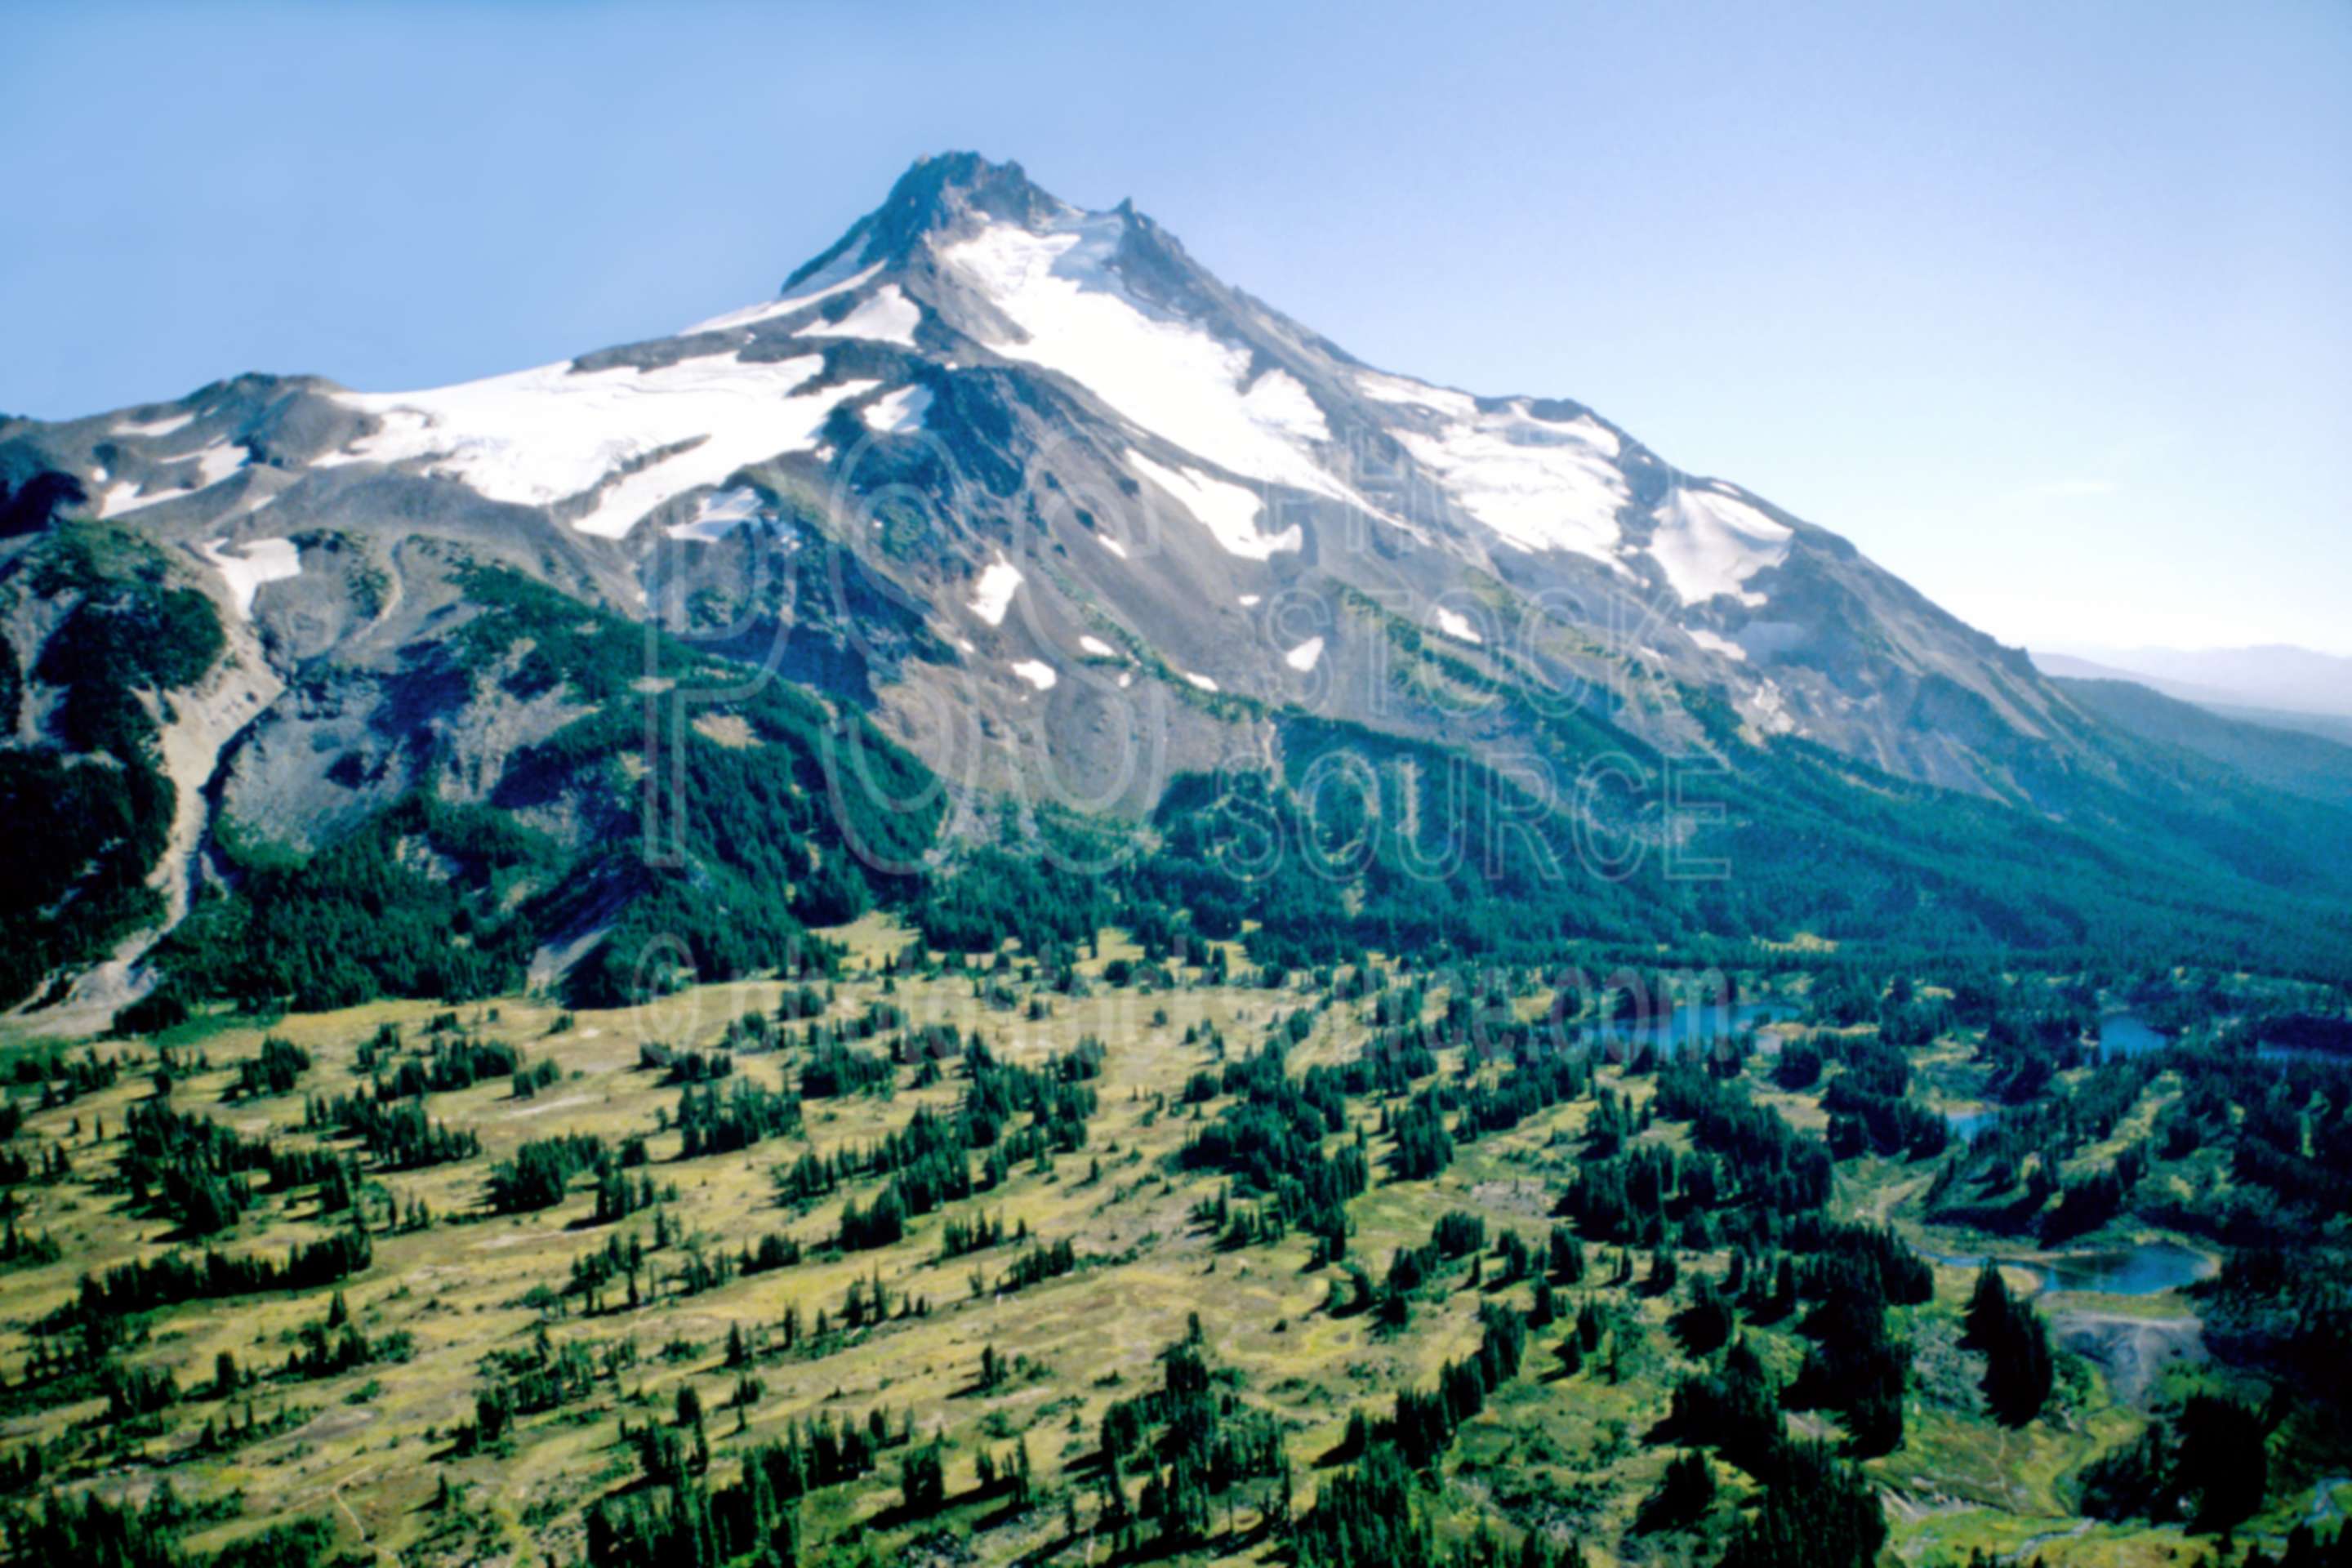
[{"x": 936, "y": 194}]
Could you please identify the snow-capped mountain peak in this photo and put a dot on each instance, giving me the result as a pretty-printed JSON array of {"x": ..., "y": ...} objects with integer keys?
[
  {"x": 938, "y": 195},
  {"x": 979, "y": 373}
]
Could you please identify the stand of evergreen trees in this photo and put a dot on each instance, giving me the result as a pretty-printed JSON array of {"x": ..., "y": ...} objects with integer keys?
[
  {"x": 2208, "y": 1467},
  {"x": 679, "y": 1521},
  {"x": 175, "y": 1276},
  {"x": 275, "y": 1072},
  {"x": 2019, "y": 1365},
  {"x": 1422, "y": 1424},
  {"x": 716, "y": 1122},
  {"x": 401, "y": 1135},
  {"x": 1271, "y": 1139},
  {"x": 1189, "y": 1441},
  {"x": 90, "y": 1532},
  {"x": 540, "y": 1173}
]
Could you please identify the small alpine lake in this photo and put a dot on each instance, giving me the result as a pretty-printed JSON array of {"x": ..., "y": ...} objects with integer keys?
[{"x": 2145, "y": 1269}]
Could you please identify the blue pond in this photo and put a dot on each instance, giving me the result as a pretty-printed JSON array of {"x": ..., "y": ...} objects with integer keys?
[
  {"x": 2141, "y": 1270},
  {"x": 2126, "y": 1034},
  {"x": 1696, "y": 1023},
  {"x": 1966, "y": 1124},
  {"x": 2121, "y": 1033}
]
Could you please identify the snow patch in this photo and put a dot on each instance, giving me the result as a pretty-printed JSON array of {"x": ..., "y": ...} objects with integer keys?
[
  {"x": 1076, "y": 314},
  {"x": 895, "y": 413},
  {"x": 886, "y": 316},
  {"x": 540, "y": 436},
  {"x": 1304, "y": 656},
  {"x": 214, "y": 464},
  {"x": 123, "y": 496},
  {"x": 1249, "y": 601},
  {"x": 1202, "y": 681},
  {"x": 1384, "y": 388},
  {"x": 260, "y": 560},
  {"x": 1036, "y": 672},
  {"x": 1228, "y": 512},
  {"x": 1096, "y": 648},
  {"x": 1709, "y": 544},
  {"x": 1279, "y": 401},
  {"x": 1768, "y": 708},
  {"x": 1456, "y": 625},
  {"x": 1584, "y": 426},
  {"x": 834, "y": 280},
  {"x": 1113, "y": 545},
  {"x": 218, "y": 461},
  {"x": 993, "y": 595},
  {"x": 720, "y": 514},
  {"x": 155, "y": 428},
  {"x": 1541, "y": 486},
  {"x": 1715, "y": 642}
]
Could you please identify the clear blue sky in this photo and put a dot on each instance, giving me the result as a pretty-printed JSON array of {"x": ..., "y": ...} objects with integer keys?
[{"x": 2049, "y": 307}]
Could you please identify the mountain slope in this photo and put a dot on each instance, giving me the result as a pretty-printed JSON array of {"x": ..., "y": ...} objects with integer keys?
[
  {"x": 2276, "y": 677},
  {"x": 1067, "y": 396},
  {"x": 1025, "y": 490},
  {"x": 2300, "y": 763}
]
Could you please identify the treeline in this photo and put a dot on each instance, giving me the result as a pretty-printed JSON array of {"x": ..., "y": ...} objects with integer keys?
[
  {"x": 360, "y": 919},
  {"x": 773, "y": 844},
  {"x": 767, "y": 835}
]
